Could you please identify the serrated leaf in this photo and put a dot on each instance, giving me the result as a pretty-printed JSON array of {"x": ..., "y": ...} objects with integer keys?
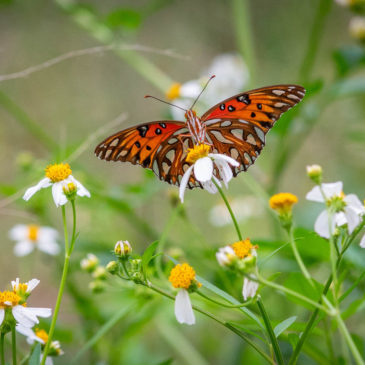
[
  {"x": 148, "y": 255},
  {"x": 35, "y": 358},
  {"x": 281, "y": 327}
]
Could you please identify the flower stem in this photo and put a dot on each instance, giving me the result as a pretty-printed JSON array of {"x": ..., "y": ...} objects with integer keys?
[
  {"x": 274, "y": 341},
  {"x": 13, "y": 344},
  {"x": 2, "y": 354},
  {"x": 65, "y": 231}
]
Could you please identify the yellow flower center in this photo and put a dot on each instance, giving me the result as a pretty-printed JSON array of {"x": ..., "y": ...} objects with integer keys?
[
  {"x": 33, "y": 230},
  {"x": 198, "y": 151},
  {"x": 20, "y": 288},
  {"x": 174, "y": 91},
  {"x": 58, "y": 172},
  {"x": 182, "y": 276},
  {"x": 243, "y": 248},
  {"x": 283, "y": 202},
  {"x": 70, "y": 188},
  {"x": 42, "y": 334},
  {"x": 9, "y": 299}
]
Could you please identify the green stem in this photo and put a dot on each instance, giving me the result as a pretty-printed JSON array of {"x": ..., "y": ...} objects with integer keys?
[
  {"x": 327, "y": 333},
  {"x": 13, "y": 344},
  {"x": 218, "y": 320},
  {"x": 65, "y": 231},
  {"x": 242, "y": 25},
  {"x": 73, "y": 237},
  {"x": 2, "y": 353},
  {"x": 240, "y": 305},
  {"x": 270, "y": 331}
]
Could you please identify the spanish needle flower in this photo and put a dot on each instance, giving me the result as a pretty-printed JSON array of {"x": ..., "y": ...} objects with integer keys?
[
  {"x": 122, "y": 249},
  {"x": 249, "y": 288},
  {"x": 283, "y": 203},
  {"x": 202, "y": 165},
  {"x": 346, "y": 209},
  {"x": 182, "y": 277},
  {"x": 314, "y": 172},
  {"x": 64, "y": 186},
  {"x": 30, "y": 236},
  {"x": 89, "y": 263}
]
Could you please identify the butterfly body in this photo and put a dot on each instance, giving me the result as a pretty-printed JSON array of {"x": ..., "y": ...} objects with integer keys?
[{"x": 235, "y": 127}]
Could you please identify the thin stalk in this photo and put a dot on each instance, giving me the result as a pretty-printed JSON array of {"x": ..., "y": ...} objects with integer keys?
[
  {"x": 2, "y": 353},
  {"x": 65, "y": 231},
  {"x": 13, "y": 345},
  {"x": 329, "y": 342},
  {"x": 218, "y": 320},
  {"x": 274, "y": 341},
  {"x": 240, "y": 305},
  {"x": 73, "y": 237}
]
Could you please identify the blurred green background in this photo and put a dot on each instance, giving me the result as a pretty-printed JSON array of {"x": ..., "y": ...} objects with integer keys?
[{"x": 73, "y": 99}]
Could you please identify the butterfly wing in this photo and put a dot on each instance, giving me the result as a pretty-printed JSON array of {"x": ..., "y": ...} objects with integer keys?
[
  {"x": 160, "y": 146},
  {"x": 237, "y": 126}
]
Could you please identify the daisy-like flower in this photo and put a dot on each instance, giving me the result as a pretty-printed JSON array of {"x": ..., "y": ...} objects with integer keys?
[
  {"x": 225, "y": 256},
  {"x": 283, "y": 203},
  {"x": 64, "y": 186},
  {"x": 249, "y": 288},
  {"x": 41, "y": 336},
  {"x": 202, "y": 166},
  {"x": 347, "y": 209},
  {"x": 231, "y": 76},
  {"x": 15, "y": 302},
  {"x": 182, "y": 277},
  {"x": 30, "y": 236},
  {"x": 89, "y": 263}
]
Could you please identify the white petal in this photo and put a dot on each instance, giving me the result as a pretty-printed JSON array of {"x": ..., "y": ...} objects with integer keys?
[
  {"x": 353, "y": 219},
  {"x": 47, "y": 233},
  {"x": 184, "y": 183},
  {"x": 32, "y": 284},
  {"x": 49, "y": 247},
  {"x": 19, "y": 232},
  {"x": 49, "y": 360},
  {"x": 81, "y": 190},
  {"x": 40, "y": 312},
  {"x": 219, "y": 156},
  {"x": 225, "y": 171},
  {"x": 44, "y": 183},
  {"x": 24, "y": 317},
  {"x": 183, "y": 309},
  {"x": 2, "y": 315},
  {"x": 23, "y": 248},
  {"x": 249, "y": 288},
  {"x": 190, "y": 89},
  {"x": 203, "y": 169},
  {"x": 354, "y": 202},
  {"x": 340, "y": 219},
  {"x": 58, "y": 196},
  {"x": 29, "y": 333},
  {"x": 209, "y": 187},
  {"x": 321, "y": 226},
  {"x": 332, "y": 189},
  {"x": 362, "y": 242},
  {"x": 315, "y": 195},
  {"x": 15, "y": 284}
]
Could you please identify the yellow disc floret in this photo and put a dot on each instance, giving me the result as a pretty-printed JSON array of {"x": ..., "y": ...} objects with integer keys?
[
  {"x": 33, "y": 230},
  {"x": 58, "y": 172},
  {"x": 182, "y": 276},
  {"x": 42, "y": 334},
  {"x": 283, "y": 202},
  {"x": 174, "y": 91},
  {"x": 9, "y": 299},
  {"x": 243, "y": 248},
  {"x": 198, "y": 151}
]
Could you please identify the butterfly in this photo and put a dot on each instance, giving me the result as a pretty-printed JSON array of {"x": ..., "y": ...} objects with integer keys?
[{"x": 235, "y": 127}]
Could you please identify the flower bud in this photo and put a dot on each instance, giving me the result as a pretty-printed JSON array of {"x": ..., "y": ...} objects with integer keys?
[
  {"x": 123, "y": 249},
  {"x": 70, "y": 190},
  {"x": 97, "y": 286},
  {"x": 226, "y": 256},
  {"x": 136, "y": 265},
  {"x": 315, "y": 173},
  {"x": 99, "y": 273},
  {"x": 89, "y": 263},
  {"x": 137, "y": 277},
  {"x": 112, "y": 267}
]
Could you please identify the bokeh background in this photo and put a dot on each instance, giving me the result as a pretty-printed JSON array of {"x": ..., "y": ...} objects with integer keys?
[{"x": 48, "y": 115}]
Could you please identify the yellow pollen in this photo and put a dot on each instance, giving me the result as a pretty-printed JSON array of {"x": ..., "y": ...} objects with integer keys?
[
  {"x": 33, "y": 232},
  {"x": 174, "y": 91},
  {"x": 283, "y": 202},
  {"x": 182, "y": 276},
  {"x": 58, "y": 172},
  {"x": 42, "y": 334},
  {"x": 243, "y": 248},
  {"x": 198, "y": 151},
  {"x": 9, "y": 296}
]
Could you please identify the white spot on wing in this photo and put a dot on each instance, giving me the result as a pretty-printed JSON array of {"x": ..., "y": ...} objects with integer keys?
[
  {"x": 279, "y": 105},
  {"x": 278, "y": 92},
  {"x": 220, "y": 137},
  {"x": 237, "y": 133},
  {"x": 260, "y": 134},
  {"x": 226, "y": 123},
  {"x": 172, "y": 140},
  {"x": 294, "y": 97},
  {"x": 114, "y": 142},
  {"x": 251, "y": 139}
]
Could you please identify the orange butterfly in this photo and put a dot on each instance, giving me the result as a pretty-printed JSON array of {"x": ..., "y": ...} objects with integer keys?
[{"x": 235, "y": 127}]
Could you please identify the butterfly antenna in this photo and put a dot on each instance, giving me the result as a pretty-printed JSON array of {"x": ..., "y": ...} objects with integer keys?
[
  {"x": 165, "y": 102},
  {"x": 210, "y": 79}
]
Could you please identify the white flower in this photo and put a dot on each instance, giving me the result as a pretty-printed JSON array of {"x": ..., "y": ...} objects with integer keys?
[
  {"x": 16, "y": 302},
  {"x": 362, "y": 242},
  {"x": 183, "y": 308},
  {"x": 202, "y": 166},
  {"x": 348, "y": 208},
  {"x": 122, "y": 248},
  {"x": 231, "y": 76},
  {"x": 64, "y": 185},
  {"x": 225, "y": 255},
  {"x": 249, "y": 288},
  {"x": 29, "y": 236},
  {"x": 89, "y": 263}
]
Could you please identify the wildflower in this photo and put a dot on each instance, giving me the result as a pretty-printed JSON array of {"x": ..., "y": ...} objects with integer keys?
[
  {"x": 97, "y": 286},
  {"x": 231, "y": 77},
  {"x": 282, "y": 203},
  {"x": 315, "y": 173},
  {"x": 112, "y": 267},
  {"x": 123, "y": 249},
  {"x": 64, "y": 185},
  {"x": 357, "y": 28},
  {"x": 29, "y": 236},
  {"x": 202, "y": 164},
  {"x": 15, "y": 302},
  {"x": 345, "y": 209},
  {"x": 182, "y": 277},
  {"x": 99, "y": 273},
  {"x": 89, "y": 263},
  {"x": 226, "y": 256},
  {"x": 249, "y": 288}
]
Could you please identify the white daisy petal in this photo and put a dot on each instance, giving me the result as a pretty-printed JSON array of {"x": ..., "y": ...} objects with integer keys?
[
  {"x": 81, "y": 190},
  {"x": 321, "y": 226},
  {"x": 183, "y": 309},
  {"x": 32, "y": 284},
  {"x": 249, "y": 288},
  {"x": 29, "y": 333},
  {"x": 362, "y": 242},
  {"x": 19, "y": 232},
  {"x": 184, "y": 182},
  {"x": 332, "y": 189},
  {"x": 219, "y": 156},
  {"x": 40, "y": 312},
  {"x": 49, "y": 247},
  {"x": 190, "y": 89},
  {"x": 2, "y": 315},
  {"x": 47, "y": 233},
  {"x": 354, "y": 202},
  {"x": 315, "y": 195},
  {"x": 203, "y": 169},
  {"x": 225, "y": 171},
  {"x": 24, "y": 317},
  {"x": 58, "y": 195},
  {"x": 209, "y": 187},
  {"x": 23, "y": 248},
  {"x": 340, "y": 219},
  {"x": 353, "y": 219},
  {"x": 44, "y": 183}
]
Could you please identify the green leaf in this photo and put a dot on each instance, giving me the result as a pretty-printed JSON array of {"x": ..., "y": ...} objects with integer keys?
[
  {"x": 349, "y": 58},
  {"x": 293, "y": 339},
  {"x": 281, "y": 327},
  {"x": 354, "y": 307},
  {"x": 148, "y": 255},
  {"x": 124, "y": 18},
  {"x": 35, "y": 359}
]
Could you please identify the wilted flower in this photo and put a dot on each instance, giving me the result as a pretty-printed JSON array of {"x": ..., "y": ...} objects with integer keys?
[
  {"x": 202, "y": 164},
  {"x": 29, "y": 236},
  {"x": 249, "y": 288},
  {"x": 182, "y": 277},
  {"x": 64, "y": 185},
  {"x": 89, "y": 263},
  {"x": 346, "y": 209}
]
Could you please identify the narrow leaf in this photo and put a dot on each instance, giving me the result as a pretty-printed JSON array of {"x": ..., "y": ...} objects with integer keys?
[
  {"x": 35, "y": 359},
  {"x": 282, "y": 326}
]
